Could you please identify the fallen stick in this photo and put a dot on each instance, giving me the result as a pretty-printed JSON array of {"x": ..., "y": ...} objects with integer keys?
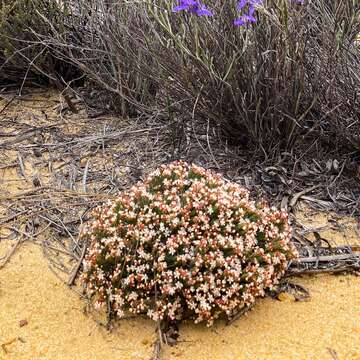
[
  {"x": 334, "y": 270},
  {"x": 297, "y": 196},
  {"x": 240, "y": 313},
  {"x": 8, "y": 343},
  {"x": 326, "y": 258},
  {"x": 10, "y": 253},
  {"x": 7, "y": 104},
  {"x": 77, "y": 267}
]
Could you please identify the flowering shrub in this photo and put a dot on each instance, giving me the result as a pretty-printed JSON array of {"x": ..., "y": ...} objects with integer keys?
[
  {"x": 196, "y": 7},
  {"x": 287, "y": 74},
  {"x": 193, "y": 6},
  {"x": 184, "y": 244}
]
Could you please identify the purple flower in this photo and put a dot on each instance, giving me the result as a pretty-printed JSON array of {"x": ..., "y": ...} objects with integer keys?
[
  {"x": 252, "y": 6},
  {"x": 247, "y": 18},
  {"x": 192, "y": 6},
  {"x": 244, "y": 20},
  {"x": 241, "y": 4},
  {"x": 247, "y": 9}
]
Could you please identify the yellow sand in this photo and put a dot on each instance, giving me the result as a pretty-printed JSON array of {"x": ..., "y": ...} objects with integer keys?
[
  {"x": 58, "y": 329},
  {"x": 326, "y": 327}
]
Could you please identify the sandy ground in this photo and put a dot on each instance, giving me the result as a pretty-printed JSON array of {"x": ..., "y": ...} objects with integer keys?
[
  {"x": 56, "y": 327},
  {"x": 326, "y": 327}
]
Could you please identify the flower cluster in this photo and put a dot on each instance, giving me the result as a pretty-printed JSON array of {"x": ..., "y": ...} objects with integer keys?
[
  {"x": 246, "y": 7},
  {"x": 193, "y": 6},
  {"x": 249, "y": 16},
  {"x": 184, "y": 243}
]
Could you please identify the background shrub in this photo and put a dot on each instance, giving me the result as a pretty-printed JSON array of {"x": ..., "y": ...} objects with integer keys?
[
  {"x": 292, "y": 75},
  {"x": 184, "y": 244},
  {"x": 22, "y": 54}
]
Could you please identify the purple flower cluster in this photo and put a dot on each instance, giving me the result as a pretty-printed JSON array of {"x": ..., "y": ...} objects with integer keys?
[
  {"x": 248, "y": 17},
  {"x": 246, "y": 7},
  {"x": 193, "y": 6}
]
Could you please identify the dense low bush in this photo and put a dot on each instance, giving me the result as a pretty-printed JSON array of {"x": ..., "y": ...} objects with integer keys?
[
  {"x": 268, "y": 73},
  {"x": 184, "y": 244}
]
